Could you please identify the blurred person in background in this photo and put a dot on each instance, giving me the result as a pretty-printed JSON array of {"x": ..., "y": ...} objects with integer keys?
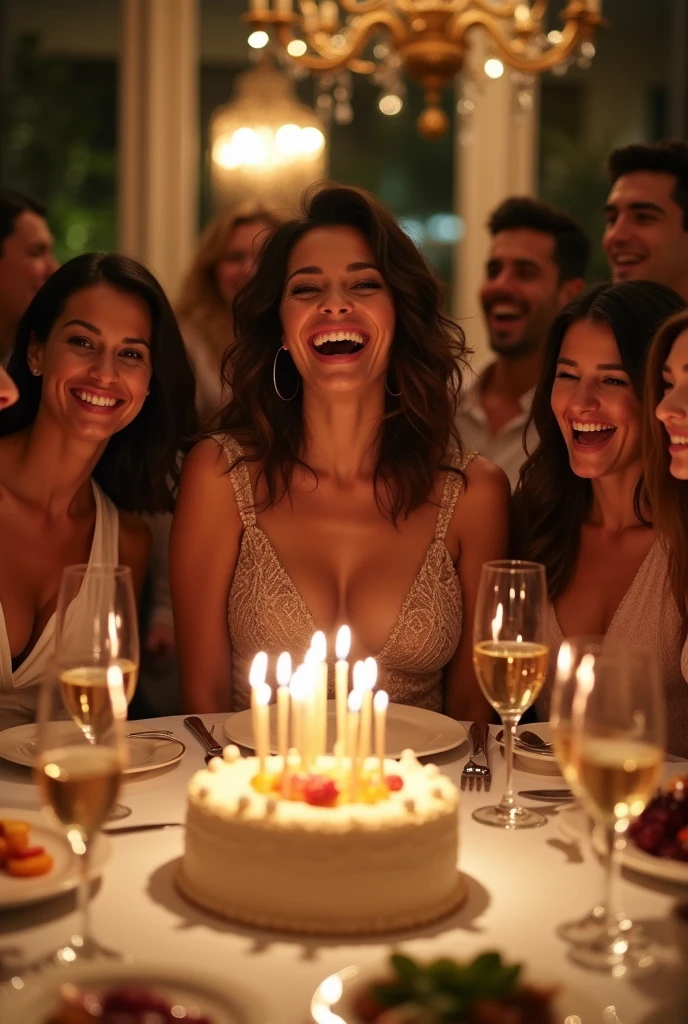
[
  {"x": 646, "y": 214},
  {"x": 222, "y": 264},
  {"x": 26, "y": 259},
  {"x": 537, "y": 263}
]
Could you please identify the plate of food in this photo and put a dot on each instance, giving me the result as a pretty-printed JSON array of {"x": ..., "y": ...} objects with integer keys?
[
  {"x": 657, "y": 842},
  {"x": 483, "y": 989},
  {"x": 115, "y": 992},
  {"x": 36, "y": 860},
  {"x": 424, "y": 732},
  {"x": 533, "y": 752},
  {"x": 144, "y": 752}
]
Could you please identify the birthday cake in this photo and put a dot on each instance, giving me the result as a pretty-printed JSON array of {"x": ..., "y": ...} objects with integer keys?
[{"x": 302, "y": 853}]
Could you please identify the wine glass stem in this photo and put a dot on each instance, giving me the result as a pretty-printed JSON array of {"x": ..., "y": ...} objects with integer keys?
[
  {"x": 611, "y": 881},
  {"x": 510, "y": 722},
  {"x": 84, "y": 893}
]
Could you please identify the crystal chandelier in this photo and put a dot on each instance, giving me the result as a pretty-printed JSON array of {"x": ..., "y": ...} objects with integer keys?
[
  {"x": 265, "y": 144},
  {"x": 426, "y": 38}
]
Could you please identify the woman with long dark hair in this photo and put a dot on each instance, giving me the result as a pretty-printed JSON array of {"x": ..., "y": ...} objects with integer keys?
[
  {"x": 666, "y": 452},
  {"x": 582, "y": 505},
  {"x": 348, "y": 496},
  {"x": 105, "y": 399}
]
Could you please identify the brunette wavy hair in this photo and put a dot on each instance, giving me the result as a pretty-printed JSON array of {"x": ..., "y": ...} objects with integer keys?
[
  {"x": 427, "y": 356},
  {"x": 139, "y": 468},
  {"x": 668, "y": 496},
  {"x": 551, "y": 502}
]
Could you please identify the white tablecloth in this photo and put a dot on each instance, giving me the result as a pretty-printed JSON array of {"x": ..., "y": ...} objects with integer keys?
[{"x": 521, "y": 886}]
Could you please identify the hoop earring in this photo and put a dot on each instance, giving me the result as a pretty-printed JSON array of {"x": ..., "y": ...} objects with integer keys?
[
  {"x": 394, "y": 394},
  {"x": 274, "y": 378}
]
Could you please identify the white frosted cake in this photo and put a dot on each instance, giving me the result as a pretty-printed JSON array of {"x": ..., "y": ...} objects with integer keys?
[{"x": 385, "y": 862}]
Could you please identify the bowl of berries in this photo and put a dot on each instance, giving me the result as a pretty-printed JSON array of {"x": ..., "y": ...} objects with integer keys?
[{"x": 658, "y": 838}]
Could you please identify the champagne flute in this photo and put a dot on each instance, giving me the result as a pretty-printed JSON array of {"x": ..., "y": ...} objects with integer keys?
[
  {"x": 510, "y": 656},
  {"x": 78, "y": 776},
  {"x": 574, "y": 653},
  {"x": 96, "y": 628},
  {"x": 616, "y": 752}
]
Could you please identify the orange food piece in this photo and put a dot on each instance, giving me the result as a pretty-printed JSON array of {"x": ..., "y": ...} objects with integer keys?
[{"x": 30, "y": 867}]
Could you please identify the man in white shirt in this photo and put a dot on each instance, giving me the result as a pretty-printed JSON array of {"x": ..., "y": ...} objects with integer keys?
[
  {"x": 536, "y": 264},
  {"x": 646, "y": 215}
]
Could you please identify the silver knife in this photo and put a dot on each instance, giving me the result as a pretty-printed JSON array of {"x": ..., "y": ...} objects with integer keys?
[
  {"x": 208, "y": 742},
  {"x": 119, "y": 830}
]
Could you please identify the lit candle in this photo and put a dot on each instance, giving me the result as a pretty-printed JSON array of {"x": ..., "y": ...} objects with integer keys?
[
  {"x": 297, "y": 692},
  {"x": 319, "y": 649},
  {"x": 262, "y": 728},
  {"x": 354, "y": 705},
  {"x": 283, "y": 679},
  {"x": 368, "y": 679},
  {"x": 259, "y": 6},
  {"x": 283, "y": 6},
  {"x": 380, "y": 708},
  {"x": 118, "y": 698},
  {"x": 341, "y": 683},
  {"x": 256, "y": 678}
]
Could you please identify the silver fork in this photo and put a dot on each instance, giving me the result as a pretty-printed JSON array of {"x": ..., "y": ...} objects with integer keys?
[{"x": 477, "y": 775}]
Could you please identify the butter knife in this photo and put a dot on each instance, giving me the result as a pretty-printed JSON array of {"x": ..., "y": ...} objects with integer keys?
[
  {"x": 119, "y": 830},
  {"x": 555, "y": 795},
  {"x": 208, "y": 742}
]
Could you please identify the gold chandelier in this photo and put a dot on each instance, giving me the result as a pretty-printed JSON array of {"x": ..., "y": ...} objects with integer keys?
[{"x": 426, "y": 37}]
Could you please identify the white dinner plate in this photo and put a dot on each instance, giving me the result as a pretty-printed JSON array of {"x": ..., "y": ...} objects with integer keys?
[
  {"x": 64, "y": 874},
  {"x": 219, "y": 998},
  {"x": 144, "y": 752},
  {"x": 574, "y": 824},
  {"x": 536, "y": 761},
  {"x": 424, "y": 732},
  {"x": 333, "y": 1000}
]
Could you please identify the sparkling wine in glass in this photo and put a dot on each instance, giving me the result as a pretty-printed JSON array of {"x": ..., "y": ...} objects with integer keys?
[
  {"x": 511, "y": 656},
  {"x": 96, "y": 630},
  {"x": 78, "y": 772},
  {"x": 616, "y": 753}
]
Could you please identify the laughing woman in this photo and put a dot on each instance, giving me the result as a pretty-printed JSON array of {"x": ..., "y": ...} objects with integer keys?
[
  {"x": 581, "y": 507},
  {"x": 105, "y": 396},
  {"x": 337, "y": 491},
  {"x": 666, "y": 454}
]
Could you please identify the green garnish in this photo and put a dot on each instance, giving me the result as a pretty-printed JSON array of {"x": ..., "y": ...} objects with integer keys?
[{"x": 443, "y": 990}]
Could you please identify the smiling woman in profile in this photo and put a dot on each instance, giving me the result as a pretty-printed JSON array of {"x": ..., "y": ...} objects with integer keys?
[
  {"x": 105, "y": 397},
  {"x": 337, "y": 490}
]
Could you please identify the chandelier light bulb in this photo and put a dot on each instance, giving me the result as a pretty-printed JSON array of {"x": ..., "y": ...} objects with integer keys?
[
  {"x": 494, "y": 67},
  {"x": 297, "y": 48},
  {"x": 390, "y": 104},
  {"x": 257, "y": 40}
]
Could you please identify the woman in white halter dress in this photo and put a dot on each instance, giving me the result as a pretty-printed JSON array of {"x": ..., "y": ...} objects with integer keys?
[{"x": 105, "y": 402}]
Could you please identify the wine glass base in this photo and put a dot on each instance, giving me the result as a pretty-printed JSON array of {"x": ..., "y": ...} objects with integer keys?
[
  {"x": 618, "y": 959},
  {"x": 509, "y": 818},
  {"x": 585, "y": 930},
  {"x": 76, "y": 951}
]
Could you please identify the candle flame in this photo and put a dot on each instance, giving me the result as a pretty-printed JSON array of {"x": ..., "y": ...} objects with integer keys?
[
  {"x": 564, "y": 659},
  {"x": 319, "y": 645},
  {"x": 298, "y": 688},
  {"x": 498, "y": 621},
  {"x": 263, "y": 693},
  {"x": 113, "y": 635},
  {"x": 343, "y": 643},
  {"x": 355, "y": 700},
  {"x": 370, "y": 678},
  {"x": 115, "y": 682},
  {"x": 259, "y": 667},
  {"x": 359, "y": 675},
  {"x": 284, "y": 669},
  {"x": 381, "y": 700}
]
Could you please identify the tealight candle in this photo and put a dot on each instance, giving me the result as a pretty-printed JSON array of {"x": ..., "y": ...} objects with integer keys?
[
  {"x": 368, "y": 680},
  {"x": 263, "y": 694},
  {"x": 283, "y": 680},
  {"x": 354, "y": 706},
  {"x": 341, "y": 683},
  {"x": 380, "y": 704}
]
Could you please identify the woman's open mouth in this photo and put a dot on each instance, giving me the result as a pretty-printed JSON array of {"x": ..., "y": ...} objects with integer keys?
[
  {"x": 95, "y": 402},
  {"x": 591, "y": 437},
  {"x": 338, "y": 343}
]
